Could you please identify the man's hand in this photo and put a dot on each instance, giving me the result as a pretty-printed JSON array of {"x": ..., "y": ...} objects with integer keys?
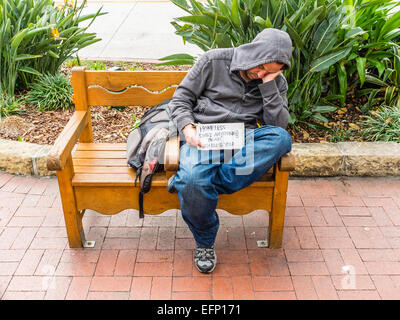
[
  {"x": 271, "y": 76},
  {"x": 190, "y": 134}
]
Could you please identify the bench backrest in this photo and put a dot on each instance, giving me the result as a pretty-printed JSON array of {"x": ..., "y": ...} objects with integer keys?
[{"x": 123, "y": 88}]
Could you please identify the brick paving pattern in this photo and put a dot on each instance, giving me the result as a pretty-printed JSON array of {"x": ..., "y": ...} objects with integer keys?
[{"x": 341, "y": 241}]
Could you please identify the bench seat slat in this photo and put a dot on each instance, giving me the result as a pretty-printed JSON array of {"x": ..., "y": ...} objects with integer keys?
[
  {"x": 100, "y": 162},
  {"x": 96, "y": 154},
  {"x": 111, "y": 179},
  {"x": 114, "y": 179},
  {"x": 101, "y": 146},
  {"x": 104, "y": 169}
]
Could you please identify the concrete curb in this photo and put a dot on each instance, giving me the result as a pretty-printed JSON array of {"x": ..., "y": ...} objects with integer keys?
[{"x": 375, "y": 159}]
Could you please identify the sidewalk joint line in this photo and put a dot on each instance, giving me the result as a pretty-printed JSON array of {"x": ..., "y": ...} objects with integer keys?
[{"x": 119, "y": 27}]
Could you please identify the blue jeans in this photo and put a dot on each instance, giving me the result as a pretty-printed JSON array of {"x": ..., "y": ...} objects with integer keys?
[{"x": 203, "y": 175}]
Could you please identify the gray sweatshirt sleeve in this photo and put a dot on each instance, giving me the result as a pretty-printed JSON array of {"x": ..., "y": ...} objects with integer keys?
[
  {"x": 275, "y": 103},
  {"x": 186, "y": 94}
]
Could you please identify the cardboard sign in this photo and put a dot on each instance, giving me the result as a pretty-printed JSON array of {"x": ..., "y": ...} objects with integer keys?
[{"x": 220, "y": 136}]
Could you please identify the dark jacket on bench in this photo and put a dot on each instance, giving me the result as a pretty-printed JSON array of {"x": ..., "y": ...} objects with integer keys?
[{"x": 214, "y": 92}]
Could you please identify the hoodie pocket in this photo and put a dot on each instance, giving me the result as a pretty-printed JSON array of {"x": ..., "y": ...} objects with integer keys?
[{"x": 202, "y": 107}]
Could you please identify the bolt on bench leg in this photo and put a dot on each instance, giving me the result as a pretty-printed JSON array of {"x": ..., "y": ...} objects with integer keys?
[{"x": 86, "y": 243}]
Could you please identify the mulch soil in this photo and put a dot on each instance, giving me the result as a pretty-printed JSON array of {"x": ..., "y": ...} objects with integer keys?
[{"x": 114, "y": 125}]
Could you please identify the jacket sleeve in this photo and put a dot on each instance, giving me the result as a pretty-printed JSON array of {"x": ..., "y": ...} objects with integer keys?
[
  {"x": 186, "y": 94},
  {"x": 275, "y": 103}
]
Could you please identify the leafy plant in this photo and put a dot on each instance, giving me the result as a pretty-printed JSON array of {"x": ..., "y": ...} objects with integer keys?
[
  {"x": 95, "y": 65},
  {"x": 51, "y": 92},
  {"x": 136, "y": 122},
  {"x": 339, "y": 134},
  {"x": 316, "y": 28},
  {"x": 223, "y": 24},
  {"x": 320, "y": 46},
  {"x": 70, "y": 63},
  {"x": 388, "y": 86},
  {"x": 132, "y": 66},
  {"x": 333, "y": 40},
  {"x": 177, "y": 59},
  {"x": 36, "y": 37},
  {"x": 382, "y": 125},
  {"x": 9, "y": 105},
  {"x": 374, "y": 57}
]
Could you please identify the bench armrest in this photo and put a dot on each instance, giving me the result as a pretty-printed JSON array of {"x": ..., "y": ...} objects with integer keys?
[
  {"x": 67, "y": 139},
  {"x": 171, "y": 154},
  {"x": 287, "y": 162}
]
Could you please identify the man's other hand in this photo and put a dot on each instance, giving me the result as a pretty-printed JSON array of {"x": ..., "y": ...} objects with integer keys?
[
  {"x": 190, "y": 134},
  {"x": 271, "y": 76}
]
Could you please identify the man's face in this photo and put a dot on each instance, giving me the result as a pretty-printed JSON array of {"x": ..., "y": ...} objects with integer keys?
[{"x": 261, "y": 71}]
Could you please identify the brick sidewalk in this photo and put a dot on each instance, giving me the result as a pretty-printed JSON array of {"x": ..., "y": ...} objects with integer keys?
[{"x": 330, "y": 224}]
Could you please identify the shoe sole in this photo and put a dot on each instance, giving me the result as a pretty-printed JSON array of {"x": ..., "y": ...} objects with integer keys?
[{"x": 170, "y": 188}]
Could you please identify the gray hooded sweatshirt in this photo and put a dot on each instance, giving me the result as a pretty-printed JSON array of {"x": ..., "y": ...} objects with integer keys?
[{"x": 213, "y": 91}]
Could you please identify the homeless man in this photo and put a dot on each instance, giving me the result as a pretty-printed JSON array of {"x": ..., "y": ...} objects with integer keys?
[{"x": 242, "y": 84}]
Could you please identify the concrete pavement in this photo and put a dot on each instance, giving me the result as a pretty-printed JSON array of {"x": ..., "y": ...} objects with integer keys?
[
  {"x": 135, "y": 30},
  {"x": 341, "y": 241}
]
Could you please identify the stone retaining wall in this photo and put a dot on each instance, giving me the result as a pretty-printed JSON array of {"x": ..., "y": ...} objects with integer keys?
[
  {"x": 312, "y": 159},
  {"x": 347, "y": 159}
]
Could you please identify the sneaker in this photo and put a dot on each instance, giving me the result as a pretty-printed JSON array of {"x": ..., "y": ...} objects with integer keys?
[
  {"x": 205, "y": 259},
  {"x": 170, "y": 187}
]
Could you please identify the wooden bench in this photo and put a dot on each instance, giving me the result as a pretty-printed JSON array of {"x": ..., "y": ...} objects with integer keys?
[{"x": 96, "y": 176}]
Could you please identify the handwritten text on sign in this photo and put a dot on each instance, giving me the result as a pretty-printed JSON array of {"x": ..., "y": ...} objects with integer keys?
[{"x": 218, "y": 136}]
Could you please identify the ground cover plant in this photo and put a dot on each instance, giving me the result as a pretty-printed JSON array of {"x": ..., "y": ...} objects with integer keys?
[{"x": 50, "y": 92}]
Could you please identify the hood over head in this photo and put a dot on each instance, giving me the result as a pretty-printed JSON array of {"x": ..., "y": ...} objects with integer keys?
[{"x": 270, "y": 45}]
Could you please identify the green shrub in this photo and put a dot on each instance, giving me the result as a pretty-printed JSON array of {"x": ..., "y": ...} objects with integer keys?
[
  {"x": 51, "y": 92},
  {"x": 317, "y": 28},
  {"x": 374, "y": 62},
  {"x": 224, "y": 23},
  {"x": 9, "y": 105},
  {"x": 95, "y": 65},
  {"x": 336, "y": 42},
  {"x": 383, "y": 125},
  {"x": 70, "y": 63},
  {"x": 341, "y": 135},
  {"x": 385, "y": 88},
  {"x": 133, "y": 66},
  {"x": 36, "y": 37}
]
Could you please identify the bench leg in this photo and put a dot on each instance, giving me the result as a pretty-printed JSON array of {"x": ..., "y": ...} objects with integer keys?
[
  {"x": 277, "y": 215},
  {"x": 73, "y": 217}
]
